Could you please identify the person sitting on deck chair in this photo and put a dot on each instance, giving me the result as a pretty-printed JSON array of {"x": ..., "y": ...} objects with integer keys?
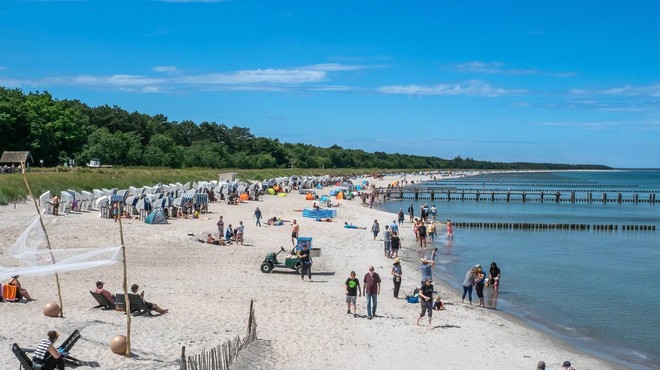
[
  {"x": 105, "y": 293},
  {"x": 20, "y": 292},
  {"x": 45, "y": 348},
  {"x": 150, "y": 306}
]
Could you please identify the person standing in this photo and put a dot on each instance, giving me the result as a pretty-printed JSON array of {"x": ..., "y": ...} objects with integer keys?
[
  {"x": 479, "y": 284},
  {"x": 468, "y": 282},
  {"x": 239, "y": 232},
  {"x": 371, "y": 290},
  {"x": 396, "y": 276},
  {"x": 450, "y": 230},
  {"x": 388, "y": 242},
  {"x": 46, "y": 355},
  {"x": 221, "y": 228},
  {"x": 375, "y": 228},
  {"x": 395, "y": 244},
  {"x": 430, "y": 230},
  {"x": 421, "y": 232},
  {"x": 352, "y": 288},
  {"x": 434, "y": 213},
  {"x": 411, "y": 212},
  {"x": 305, "y": 262},
  {"x": 426, "y": 269},
  {"x": 494, "y": 278},
  {"x": 56, "y": 205},
  {"x": 400, "y": 216},
  {"x": 295, "y": 229},
  {"x": 257, "y": 215},
  {"x": 394, "y": 227},
  {"x": 426, "y": 295}
]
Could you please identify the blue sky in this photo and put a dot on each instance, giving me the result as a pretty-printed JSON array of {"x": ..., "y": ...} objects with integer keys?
[{"x": 539, "y": 81}]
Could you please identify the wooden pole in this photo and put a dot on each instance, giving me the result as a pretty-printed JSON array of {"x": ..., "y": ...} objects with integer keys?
[
  {"x": 43, "y": 227},
  {"x": 126, "y": 299},
  {"x": 249, "y": 328}
]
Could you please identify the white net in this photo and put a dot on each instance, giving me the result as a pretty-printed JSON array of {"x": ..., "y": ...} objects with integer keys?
[{"x": 36, "y": 259}]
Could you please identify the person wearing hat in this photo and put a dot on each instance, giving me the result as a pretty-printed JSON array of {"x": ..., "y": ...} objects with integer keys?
[
  {"x": 105, "y": 293},
  {"x": 567, "y": 366},
  {"x": 540, "y": 365},
  {"x": 46, "y": 356},
  {"x": 396, "y": 276},
  {"x": 426, "y": 300}
]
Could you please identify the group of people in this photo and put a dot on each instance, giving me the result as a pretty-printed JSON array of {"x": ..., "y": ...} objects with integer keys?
[
  {"x": 371, "y": 285},
  {"x": 229, "y": 234},
  {"x": 134, "y": 289},
  {"x": 476, "y": 278}
]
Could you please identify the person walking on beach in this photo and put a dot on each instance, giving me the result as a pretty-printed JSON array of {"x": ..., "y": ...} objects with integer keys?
[
  {"x": 426, "y": 300},
  {"x": 394, "y": 227},
  {"x": 352, "y": 288},
  {"x": 411, "y": 212},
  {"x": 434, "y": 213},
  {"x": 468, "y": 282},
  {"x": 306, "y": 262},
  {"x": 371, "y": 290},
  {"x": 387, "y": 241},
  {"x": 494, "y": 277},
  {"x": 221, "y": 228},
  {"x": 295, "y": 229},
  {"x": 395, "y": 244},
  {"x": 257, "y": 215},
  {"x": 479, "y": 285},
  {"x": 396, "y": 273},
  {"x": 375, "y": 228}
]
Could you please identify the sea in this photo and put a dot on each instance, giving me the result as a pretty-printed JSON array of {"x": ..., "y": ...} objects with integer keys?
[{"x": 595, "y": 289}]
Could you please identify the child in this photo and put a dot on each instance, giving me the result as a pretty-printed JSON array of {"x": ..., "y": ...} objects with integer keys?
[{"x": 438, "y": 305}]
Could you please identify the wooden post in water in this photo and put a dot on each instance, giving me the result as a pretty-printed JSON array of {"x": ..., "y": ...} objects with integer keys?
[{"x": 604, "y": 197}]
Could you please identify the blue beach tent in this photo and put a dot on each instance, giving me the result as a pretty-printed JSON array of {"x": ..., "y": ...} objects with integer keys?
[{"x": 157, "y": 216}]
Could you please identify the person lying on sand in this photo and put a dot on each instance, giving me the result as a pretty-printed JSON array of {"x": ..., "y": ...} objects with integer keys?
[
  {"x": 351, "y": 226},
  {"x": 327, "y": 219}
]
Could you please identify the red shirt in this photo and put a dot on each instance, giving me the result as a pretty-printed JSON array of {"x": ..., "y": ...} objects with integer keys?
[{"x": 371, "y": 283}]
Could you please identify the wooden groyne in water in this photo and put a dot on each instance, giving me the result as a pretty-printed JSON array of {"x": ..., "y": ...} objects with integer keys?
[
  {"x": 524, "y": 196},
  {"x": 537, "y": 226}
]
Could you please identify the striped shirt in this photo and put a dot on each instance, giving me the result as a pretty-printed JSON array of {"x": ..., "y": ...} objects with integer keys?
[{"x": 41, "y": 351}]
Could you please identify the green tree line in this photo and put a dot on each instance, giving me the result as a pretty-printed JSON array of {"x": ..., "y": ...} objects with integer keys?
[{"x": 58, "y": 130}]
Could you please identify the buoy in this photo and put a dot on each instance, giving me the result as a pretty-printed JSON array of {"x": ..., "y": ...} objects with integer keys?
[
  {"x": 51, "y": 309},
  {"x": 118, "y": 344}
]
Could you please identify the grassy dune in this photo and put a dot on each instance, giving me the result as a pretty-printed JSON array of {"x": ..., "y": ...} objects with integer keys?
[{"x": 12, "y": 187}]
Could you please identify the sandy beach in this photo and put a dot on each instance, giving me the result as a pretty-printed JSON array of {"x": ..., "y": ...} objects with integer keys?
[{"x": 207, "y": 289}]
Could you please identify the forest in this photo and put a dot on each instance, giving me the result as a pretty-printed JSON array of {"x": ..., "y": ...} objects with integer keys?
[{"x": 58, "y": 130}]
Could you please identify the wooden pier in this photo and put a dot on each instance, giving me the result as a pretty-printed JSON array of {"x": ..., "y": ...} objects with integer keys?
[
  {"x": 524, "y": 196},
  {"x": 536, "y": 226}
]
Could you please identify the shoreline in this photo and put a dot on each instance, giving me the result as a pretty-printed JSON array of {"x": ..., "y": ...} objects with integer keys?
[{"x": 207, "y": 290}]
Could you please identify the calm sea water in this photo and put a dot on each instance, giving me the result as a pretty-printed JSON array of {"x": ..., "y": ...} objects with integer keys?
[{"x": 595, "y": 289}]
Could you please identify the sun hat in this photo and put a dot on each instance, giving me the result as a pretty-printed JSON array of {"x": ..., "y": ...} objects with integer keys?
[{"x": 397, "y": 260}]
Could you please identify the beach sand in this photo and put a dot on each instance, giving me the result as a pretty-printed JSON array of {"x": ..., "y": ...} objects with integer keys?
[{"x": 208, "y": 288}]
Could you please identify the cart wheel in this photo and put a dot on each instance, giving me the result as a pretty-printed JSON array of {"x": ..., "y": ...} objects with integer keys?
[
  {"x": 299, "y": 268},
  {"x": 266, "y": 267}
]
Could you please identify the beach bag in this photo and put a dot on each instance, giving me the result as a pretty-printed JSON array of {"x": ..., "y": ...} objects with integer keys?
[{"x": 412, "y": 299}]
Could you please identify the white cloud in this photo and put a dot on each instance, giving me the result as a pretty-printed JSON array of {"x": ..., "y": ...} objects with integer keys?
[
  {"x": 334, "y": 67},
  {"x": 257, "y": 76},
  {"x": 500, "y": 68},
  {"x": 630, "y": 90},
  {"x": 118, "y": 80},
  {"x": 470, "y": 88},
  {"x": 166, "y": 69}
]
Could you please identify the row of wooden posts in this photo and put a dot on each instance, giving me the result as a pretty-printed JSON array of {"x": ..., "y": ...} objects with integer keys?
[
  {"x": 541, "y": 226},
  {"x": 524, "y": 197},
  {"x": 222, "y": 356}
]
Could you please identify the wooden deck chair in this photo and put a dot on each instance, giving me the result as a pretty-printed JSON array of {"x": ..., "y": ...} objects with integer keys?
[
  {"x": 9, "y": 293},
  {"x": 26, "y": 362},
  {"x": 102, "y": 301},
  {"x": 138, "y": 306}
]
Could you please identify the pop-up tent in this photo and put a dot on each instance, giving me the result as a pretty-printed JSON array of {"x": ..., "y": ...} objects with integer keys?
[{"x": 157, "y": 216}]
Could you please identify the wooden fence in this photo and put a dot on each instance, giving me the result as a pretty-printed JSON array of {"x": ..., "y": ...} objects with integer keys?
[{"x": 222, "y": 356}]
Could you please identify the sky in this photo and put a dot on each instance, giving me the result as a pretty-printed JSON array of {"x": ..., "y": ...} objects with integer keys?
[{"x": 573, "y": 82}]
